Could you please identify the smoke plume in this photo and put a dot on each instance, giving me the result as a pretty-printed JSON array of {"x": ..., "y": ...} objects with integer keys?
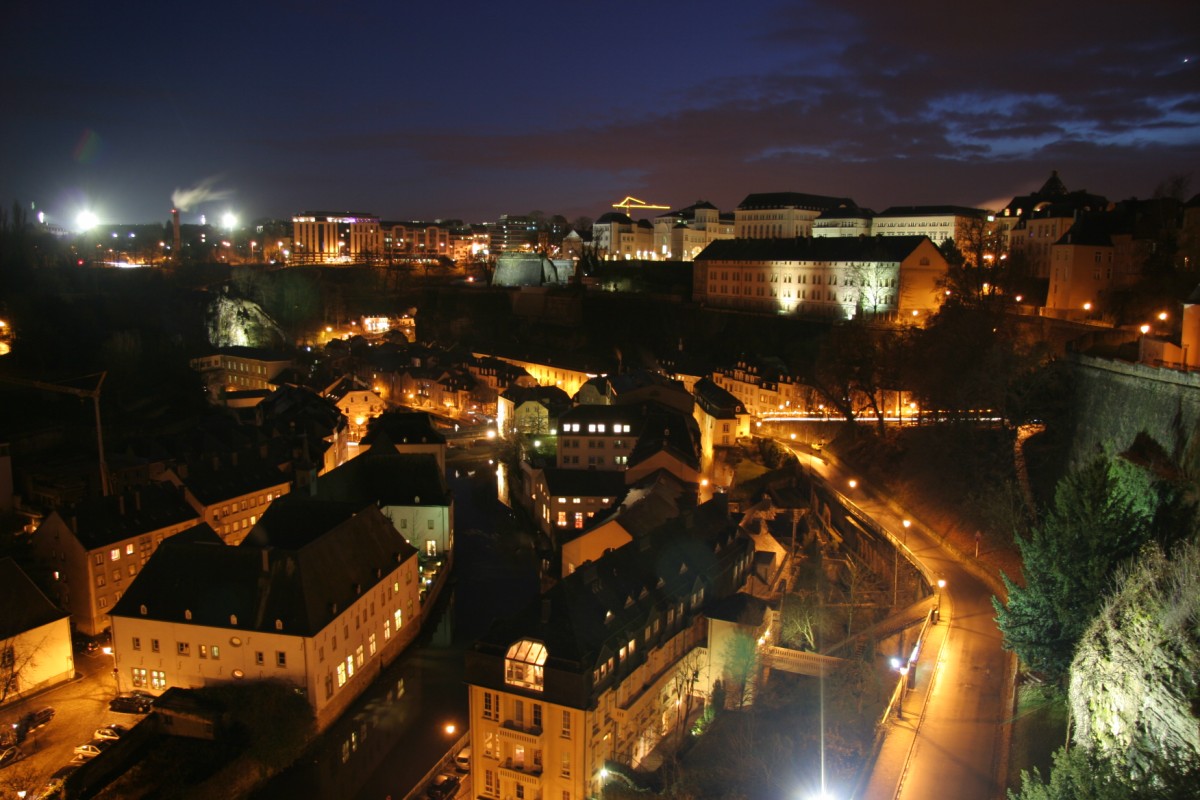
[{"x": 203, "y": 192}]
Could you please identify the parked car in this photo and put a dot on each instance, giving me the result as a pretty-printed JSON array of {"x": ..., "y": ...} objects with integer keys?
[
  {"x": 443, "y": 787},
  {"x": 110, "y": 732},
  {"x": 462, "y": 761},
  {"x": 92, "y": 748},
  {"x": 132, "y": 703},
  {"x": 40, "y": 717},
  {"x": 10, "y": 755}
]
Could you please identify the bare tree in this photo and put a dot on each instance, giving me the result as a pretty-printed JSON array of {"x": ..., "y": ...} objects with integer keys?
[{"x": 16, "y": 656}]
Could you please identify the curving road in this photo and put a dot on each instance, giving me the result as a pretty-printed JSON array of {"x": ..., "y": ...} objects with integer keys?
[{"x": 953, "y": 747}]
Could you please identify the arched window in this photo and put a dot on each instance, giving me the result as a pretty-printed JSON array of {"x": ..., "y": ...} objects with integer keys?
[{"x": 523, "y": 664}]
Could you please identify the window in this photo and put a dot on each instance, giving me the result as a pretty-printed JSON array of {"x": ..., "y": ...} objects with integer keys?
[
  {"x": 139, "y": 677},
  {"x": 203, "y": 651},
  {"x": 491, "y": 705},
  {"x": 280, "y": 658},
  {"x": 358, "y": 656},
  {"x": 258, "y": 657},
  {"x": 371, "y": 643},
  {"x": 396, "y": 615},
  {"x": 564, "y": 768},
  {"x": 216, "y": 652},
  {"x": 341, "y": 674},
  {"x": 98, "y": 559},
  {"x": 137, "y": 643},
  {"x": 387, "y": 629},
  {"x": 350, "y": 666},
  {"x": 101, "y": 580},
  {"x": 158, "y": 679},
  {"x": 115, "y": 554},
  {"x": 154, "y": 645},
  {"x": 183, "y": 648},
  {"x": 328, "y": 686},
  {"x": 523, "y": 664},
  {"x": 537, "y": 715}
]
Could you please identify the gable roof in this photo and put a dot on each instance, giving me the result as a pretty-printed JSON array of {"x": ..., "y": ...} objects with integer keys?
[
  {"x": 383, "y": 476},
  {"x": 303, "y": 577},
  {"x": 875, "y": 248},
  {"x": 23, "y": 606},
  {"x": 100, "y": 521}
]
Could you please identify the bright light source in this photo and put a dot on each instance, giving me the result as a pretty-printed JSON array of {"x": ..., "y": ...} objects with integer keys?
[
  {"x": 941, "y": 583},
  {"x": 907, "y": 523},
  {"x": 853, "y": 483},
  {"x": 229, "y": 220},
  {"x": 450, "y": 728},
  {"x": 86, "y": 220},
  {"x": 1144, "y": 329}
]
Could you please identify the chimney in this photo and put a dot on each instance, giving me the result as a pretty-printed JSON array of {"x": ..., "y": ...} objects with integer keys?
[{"x": 175, "y": 226}]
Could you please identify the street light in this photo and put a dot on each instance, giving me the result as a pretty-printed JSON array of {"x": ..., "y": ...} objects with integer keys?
[
  {"x": 108, "y": 651},
  {"x": 902, "y": 668}
]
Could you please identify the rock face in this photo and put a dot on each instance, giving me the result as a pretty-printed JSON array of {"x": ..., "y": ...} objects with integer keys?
[
  {"x": 532, "y": 269},
  {"x": 234, "y": 322}
]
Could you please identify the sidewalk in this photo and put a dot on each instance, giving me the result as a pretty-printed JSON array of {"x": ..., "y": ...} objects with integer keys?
[{"x": 903, "y": 730}]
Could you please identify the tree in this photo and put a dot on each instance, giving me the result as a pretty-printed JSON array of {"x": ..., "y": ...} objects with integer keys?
[
  {"x": 1078, "y": 774},
  {"x": 741, "y": 666},
  {"x": 1102, "y": 514}
]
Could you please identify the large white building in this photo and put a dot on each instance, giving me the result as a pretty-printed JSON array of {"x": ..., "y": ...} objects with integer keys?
[
  {"x": 782, "y": 215},
  {"x": 320, "y": 595},
  {"x": 838, "y": 278}
]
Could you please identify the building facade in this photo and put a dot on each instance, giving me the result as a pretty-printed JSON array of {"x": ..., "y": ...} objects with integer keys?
[
  {"x": 782, "y": 215},
  {"x": 323, "y": 237}
]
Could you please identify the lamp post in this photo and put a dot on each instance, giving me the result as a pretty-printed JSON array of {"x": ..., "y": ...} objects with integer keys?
[
  {"x": 901, "y": 667},
  {"x": 108, "y": 651},
  {"x": 937, "y": 611}
]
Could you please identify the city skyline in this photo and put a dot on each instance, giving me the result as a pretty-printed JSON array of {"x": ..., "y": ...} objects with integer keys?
[{"x": 270, "y": 110}]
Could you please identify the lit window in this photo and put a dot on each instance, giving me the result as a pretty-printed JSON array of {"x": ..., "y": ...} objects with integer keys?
[
  {"x": 115, "y": 554},
  {"x": 524, "y": 663}
]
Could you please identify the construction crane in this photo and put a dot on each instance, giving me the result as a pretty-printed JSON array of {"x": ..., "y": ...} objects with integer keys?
[
  {"x": 631, "y": 202},
  {"x": 94, "y": 394}
]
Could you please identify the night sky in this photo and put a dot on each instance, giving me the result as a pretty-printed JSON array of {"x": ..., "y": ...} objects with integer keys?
[{"x": 423, "y": 110}]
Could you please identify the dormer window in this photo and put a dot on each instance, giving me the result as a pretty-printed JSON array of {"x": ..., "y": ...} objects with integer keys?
[{"x": 524, "y": 663}]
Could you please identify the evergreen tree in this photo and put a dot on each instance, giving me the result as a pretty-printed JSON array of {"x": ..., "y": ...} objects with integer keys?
[{"x": 1102, "y": 515}]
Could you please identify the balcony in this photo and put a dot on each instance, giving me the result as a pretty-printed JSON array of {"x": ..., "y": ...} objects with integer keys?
[
  {"x": 523, "y": 772},
  {"x": 511, "y": 732}
]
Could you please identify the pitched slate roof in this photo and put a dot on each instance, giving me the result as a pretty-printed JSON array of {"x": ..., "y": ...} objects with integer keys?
[
  {"x": 584, "y": 483},
  {"x": 23, "y": 606},
  {"x": 302, "y": 576},
  {"x": 597, "y": 608},
  {"x": 918, "y": 211},
  {"x": 212, "y": 484},
  {"x": 717, "y": 402},
  {"x": 403, "y": 427},
  {"x": 385, "y": 477},
  {"x": 101, "y": 521},
  {"x": 876, "y": 248},
  {"x": 813, "y": 202}
]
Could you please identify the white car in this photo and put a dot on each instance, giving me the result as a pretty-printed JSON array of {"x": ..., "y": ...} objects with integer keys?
[
  {"x": 92, "y": 748},
  {"x": 110, "y": 732}
]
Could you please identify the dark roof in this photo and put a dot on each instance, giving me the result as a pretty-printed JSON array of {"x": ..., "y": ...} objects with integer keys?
[
  {"x": 403, "y": 427},
  {"x": 386, "y": 477},
  {"x": 597, "y": 608},
  {"x": 23, "y": 606},
  {"x": 742, "y": 608},
  {"x": 301, "y": 580},
  {"x": 666, "y": 429},
  {"x": 254, "y": 353},
  {"x": 552, "y": 397},
  {"x": 847, "y": 212},
  {"x": 876, "y": 248},
  {"x": 717, "y": 402},
  {"x": 584, "y": 483},
  {"x": 613, "y": 216},
  {"x": 101, "y": 521},
  {"x": 814, "y": 202},
  {"x": 212, "y": 483},
  {"x": 910, "y": 211}
]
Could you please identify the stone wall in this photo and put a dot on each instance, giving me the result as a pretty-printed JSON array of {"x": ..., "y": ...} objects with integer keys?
[{"x": 1116, "y": 400}]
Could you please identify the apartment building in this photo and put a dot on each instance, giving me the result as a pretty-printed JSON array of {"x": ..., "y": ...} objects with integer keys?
[
  {"x": 681, "y": 234},
  {"x": 320, "y": 595},
  {"x": 232, "y": 493},
  {"x": 601, "y": 668},
  {"x": 92, "y": 552},
  {"x": 236, "y": 369}
]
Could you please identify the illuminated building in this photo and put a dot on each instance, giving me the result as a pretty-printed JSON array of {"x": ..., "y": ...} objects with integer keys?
[
  {"x": 835, "y": 278},
  {"x": 721, "y": 417},
  {"x": 359, "y": 404},
  {"x": 94, "y": 550},
  {"x": 320, "y": 595},
  {"x": 608, "y": 662},
  {"x": 617, "y": 237},
  {"x": 233, "y": 369},
  {"x": 322, "y": 237},
  {"x": 524, "y": 410},
  {"x": 939, "y": 223},
  {"x": 782, "y": 215},
  {"x": 1031, "y": 224},
  {"x": 764, "y": 386},
  {"x": 35, "y": 636},
  {"x": 231, "y": 494},
  {"x": 680, "y": 235}
]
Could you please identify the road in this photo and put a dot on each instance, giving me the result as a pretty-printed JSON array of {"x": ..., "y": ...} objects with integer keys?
[{"x": 953, "y": 748}]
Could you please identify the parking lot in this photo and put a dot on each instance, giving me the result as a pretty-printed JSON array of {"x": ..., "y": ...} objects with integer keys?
[{"x": 80, "y": 707}]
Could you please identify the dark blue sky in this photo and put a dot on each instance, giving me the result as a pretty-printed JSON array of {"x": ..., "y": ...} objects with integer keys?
[{"x": 471, "y": 110}]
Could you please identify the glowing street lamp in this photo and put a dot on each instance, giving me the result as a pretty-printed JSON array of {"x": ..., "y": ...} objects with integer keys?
[
  {"x": 86, "y": 220},
  {"x": 902, "y": 668}
]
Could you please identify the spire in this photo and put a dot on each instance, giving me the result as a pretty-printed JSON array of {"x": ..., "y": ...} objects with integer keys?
[{"x": 1053, "y": 187}]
